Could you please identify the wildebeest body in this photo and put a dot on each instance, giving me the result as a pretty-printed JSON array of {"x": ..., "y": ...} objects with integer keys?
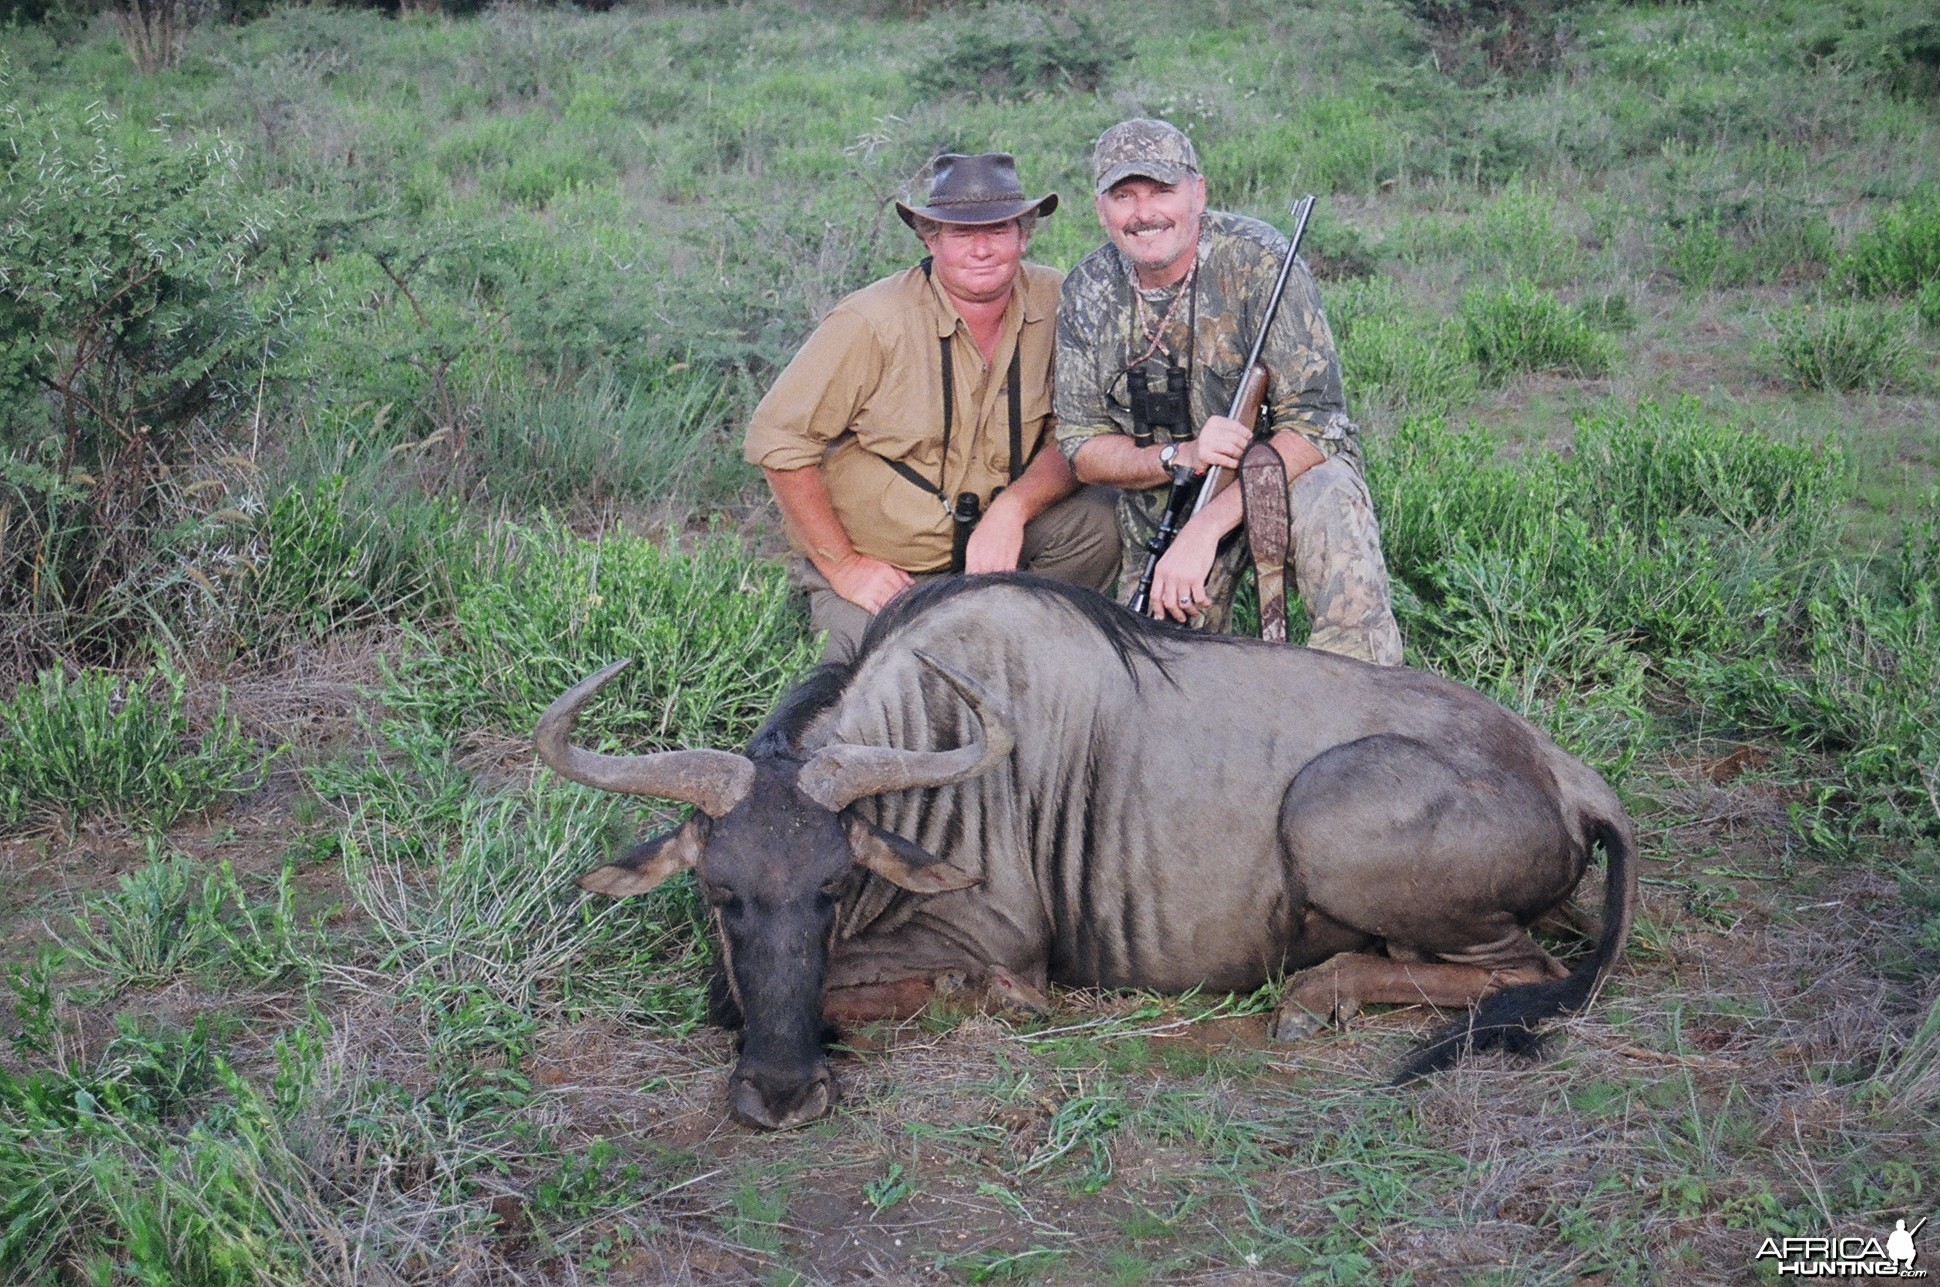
[
  {"x": 1207, "y": 811},
  {"x": 1159, "y": 810}
]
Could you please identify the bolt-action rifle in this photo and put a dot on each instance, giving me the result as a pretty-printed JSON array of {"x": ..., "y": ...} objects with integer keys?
[{"x": 1190, "y": 492}]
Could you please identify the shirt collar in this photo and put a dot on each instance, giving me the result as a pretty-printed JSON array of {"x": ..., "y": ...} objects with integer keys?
[{"x": 946, "y": 318}]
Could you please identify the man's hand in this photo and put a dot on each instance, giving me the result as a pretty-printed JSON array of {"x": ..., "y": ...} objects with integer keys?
[
  {"x": 998, "y": 539},
  {"x": 868, "y": 583},
  {"x": 1179, "y": 581},
  {"x": 1222, "y": 441}
]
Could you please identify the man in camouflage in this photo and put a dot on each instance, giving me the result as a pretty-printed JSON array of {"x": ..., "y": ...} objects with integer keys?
[{"x": 1180, "y": 288}]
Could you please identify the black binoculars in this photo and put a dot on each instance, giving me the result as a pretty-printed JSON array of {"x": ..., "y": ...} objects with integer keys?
[
  {"x": 963, "y": 519},
  {"x": 1158, "y": 409}
]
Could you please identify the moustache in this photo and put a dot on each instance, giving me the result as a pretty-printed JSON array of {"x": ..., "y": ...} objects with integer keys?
[{"x": 1149, "y": 225}]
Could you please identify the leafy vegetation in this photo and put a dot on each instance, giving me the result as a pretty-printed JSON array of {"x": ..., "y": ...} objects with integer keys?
[
  {"x": 368, "y": 377},
  {"x": 102, "y": 744}
]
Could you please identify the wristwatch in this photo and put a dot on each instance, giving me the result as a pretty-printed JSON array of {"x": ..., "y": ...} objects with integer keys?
[{"x": 1166, "y": 455}]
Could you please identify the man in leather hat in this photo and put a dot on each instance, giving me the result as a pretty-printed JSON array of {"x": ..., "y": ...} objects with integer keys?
[
  {"x": 1173, "y": 302},
  {"x": 904, "y": 439}
]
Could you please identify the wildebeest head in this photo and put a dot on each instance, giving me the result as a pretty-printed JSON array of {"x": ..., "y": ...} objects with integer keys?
[{"x": 775, "y": 848}]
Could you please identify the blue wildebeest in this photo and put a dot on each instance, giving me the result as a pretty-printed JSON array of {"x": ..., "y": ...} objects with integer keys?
[{"x": 1016, "y": 783}]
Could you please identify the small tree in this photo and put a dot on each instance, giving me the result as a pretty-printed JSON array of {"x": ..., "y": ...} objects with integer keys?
[
  {"x": 131, "y": 316},
  {"x": 147, "y": 30}
]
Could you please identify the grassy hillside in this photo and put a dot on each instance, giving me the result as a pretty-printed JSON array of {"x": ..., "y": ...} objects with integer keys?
[{"x": 365, "y": 380}]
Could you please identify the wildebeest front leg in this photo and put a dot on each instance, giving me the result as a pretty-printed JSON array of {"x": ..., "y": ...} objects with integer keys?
[{"x": 895, "y": 975}]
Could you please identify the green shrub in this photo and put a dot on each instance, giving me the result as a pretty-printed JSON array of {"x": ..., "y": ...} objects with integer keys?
[
  {"x": 1927, "y": 305},
  {"x": 1665, "y": 533},
  {"x": 1394, "y": 357},
  {"x": 157, "y": 1164},
  {"x": 325, "y": 559},
  {"x": 1477, "y": 39},
  {"x": 1842, "y": 347},
  {"x": 597, "y": 440},
  {"x": 101, "y": 744},
  {"x": 714, "y": 632},
  {"x": 1899, "y": 254},
  {"x": 1893, "y": 44},
  {"x": 1702, "y": 255},
  {"x": 135, "y": 315},
  {"x": 1859, "y": 683},
  {"x": 168, "y": 918},
  {"x": 1523, "y": 328},
  {"x": 1020, "y": 50}
]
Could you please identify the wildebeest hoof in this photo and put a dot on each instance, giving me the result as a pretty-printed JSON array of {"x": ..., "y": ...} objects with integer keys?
[
  {"x": 1294, "y": 1022},
  {"x": 1014, "y": 998}
]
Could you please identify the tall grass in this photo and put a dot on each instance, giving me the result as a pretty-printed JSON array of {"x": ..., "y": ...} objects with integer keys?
[
  {"x": 714, "y": 632},
  {"x": 1557, "y": 583},
  {"x": 500, "y": 921}
]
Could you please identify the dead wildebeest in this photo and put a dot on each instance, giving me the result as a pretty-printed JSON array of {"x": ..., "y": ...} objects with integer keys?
[{"x": 1018, "y": 783}]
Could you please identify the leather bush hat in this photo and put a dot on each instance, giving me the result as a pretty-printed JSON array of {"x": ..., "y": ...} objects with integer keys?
[
  {"x": 1145, "y": 149},
  {"x": 976, "y": 189}
]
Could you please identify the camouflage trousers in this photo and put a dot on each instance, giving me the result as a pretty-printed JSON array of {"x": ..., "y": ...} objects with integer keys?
[{"x": 1335, "y": 562}]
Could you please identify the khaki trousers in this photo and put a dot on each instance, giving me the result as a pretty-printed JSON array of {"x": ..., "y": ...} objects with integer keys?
[{"x": 1076, "y": 541}]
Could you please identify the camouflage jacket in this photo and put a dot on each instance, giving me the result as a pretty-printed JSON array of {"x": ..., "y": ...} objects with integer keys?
[{"x": 1102, "y": 330}]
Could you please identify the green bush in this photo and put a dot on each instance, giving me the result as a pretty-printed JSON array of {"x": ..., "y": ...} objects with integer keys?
[
  {"x": 1395, "y": 358},
  {"x": 1666, "y": 532},
  {"x": 714, "y": 632},
  {"x": 101, "y": 744},
  {"x": 1019, "y": 50},
  {"x": 1842, "y": 348},
  {"x": 1899, "y": 254},
  {"x": 324, "y": 558},
  {"x": 135, "y": 315},
  {"x": 597, "y": 440},
  {"x": 167, "y": 919},
  {"x": 156, "y": 1164},
  {"x": 1477, "y": 39},
  {"x": 1859, "y": 682},
  {"x": 1523, "y": 328}
]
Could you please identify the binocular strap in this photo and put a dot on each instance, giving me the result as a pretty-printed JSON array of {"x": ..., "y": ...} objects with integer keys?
[{"x": 1269, "y": 532}]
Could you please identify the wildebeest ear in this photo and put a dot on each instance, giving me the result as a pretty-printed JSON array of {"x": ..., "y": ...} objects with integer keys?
[
  {"x": 901, "y": 863},
  {"x": 647, "y": 864}
]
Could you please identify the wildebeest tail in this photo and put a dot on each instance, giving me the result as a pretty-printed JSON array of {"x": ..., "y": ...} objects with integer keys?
[{"x": 1508, "y": 1020}]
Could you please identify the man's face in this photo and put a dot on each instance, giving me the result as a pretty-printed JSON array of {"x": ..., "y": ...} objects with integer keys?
[
  {"x": 977, "y": 262},
  {"x": 1155, "y": 225}
]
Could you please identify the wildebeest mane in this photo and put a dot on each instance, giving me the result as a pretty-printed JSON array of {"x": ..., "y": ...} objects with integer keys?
[
  {"x": 780, "y": 734},
  {"x": 1130, "y": 635}
]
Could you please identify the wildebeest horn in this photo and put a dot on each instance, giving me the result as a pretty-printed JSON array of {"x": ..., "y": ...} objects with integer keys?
[
  {"x": 837, "y": 776},
  {"x": 712, "y": 781}
]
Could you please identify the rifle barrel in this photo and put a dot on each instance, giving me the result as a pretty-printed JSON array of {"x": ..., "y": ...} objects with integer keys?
[{"x": 1303, "y": 210}]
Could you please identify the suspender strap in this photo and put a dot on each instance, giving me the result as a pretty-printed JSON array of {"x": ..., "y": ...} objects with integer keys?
[{"x": 1017, "y": 461}]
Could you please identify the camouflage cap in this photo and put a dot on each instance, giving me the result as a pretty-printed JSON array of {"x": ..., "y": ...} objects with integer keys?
[{"x": 1144, "y": 148}]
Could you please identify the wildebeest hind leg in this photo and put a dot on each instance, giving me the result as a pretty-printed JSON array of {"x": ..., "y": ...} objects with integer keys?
[{"x": 1337, "y": 989}]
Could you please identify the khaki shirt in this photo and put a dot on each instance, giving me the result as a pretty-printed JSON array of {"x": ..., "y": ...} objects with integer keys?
[{"x": 867, "y": 388}]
